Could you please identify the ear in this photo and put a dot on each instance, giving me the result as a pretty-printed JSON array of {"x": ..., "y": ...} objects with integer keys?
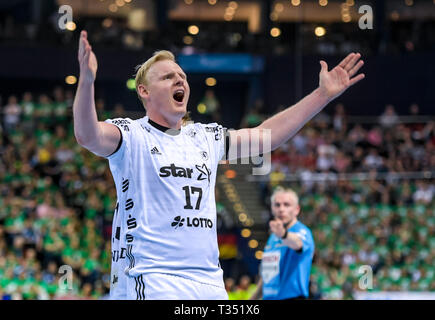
[
  {"x": 142, "y": 91},
  {"x": 299, "y": 210}
]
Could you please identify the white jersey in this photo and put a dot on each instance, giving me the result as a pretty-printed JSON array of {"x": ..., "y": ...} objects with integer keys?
[{"x": 166, "y": 198}]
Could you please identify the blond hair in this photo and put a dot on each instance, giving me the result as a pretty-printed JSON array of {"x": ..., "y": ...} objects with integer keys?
[
  {"x": 280, "y": 189},
  {"x": 142, "y": 72}
]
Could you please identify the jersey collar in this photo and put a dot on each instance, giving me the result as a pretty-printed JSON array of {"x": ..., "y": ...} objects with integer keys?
[{"x": 170, "y": 131}]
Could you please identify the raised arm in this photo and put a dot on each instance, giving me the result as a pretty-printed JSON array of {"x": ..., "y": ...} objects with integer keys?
[
  {"x": 98, "y": 137},
  {"x": 287, "y": 123},
  {"x": 291, "y": 240}
]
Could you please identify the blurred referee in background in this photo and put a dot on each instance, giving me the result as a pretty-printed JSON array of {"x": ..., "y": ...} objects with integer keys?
[{"x": 288, "y": 255}]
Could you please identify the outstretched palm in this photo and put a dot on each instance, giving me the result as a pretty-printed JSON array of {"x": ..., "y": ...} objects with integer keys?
[
  {"x": 333, "y": 83},
  {"x": 87, "y": 59}
]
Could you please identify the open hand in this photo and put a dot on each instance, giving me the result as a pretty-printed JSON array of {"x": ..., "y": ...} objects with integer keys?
[
  {"x": 87, "y": 59},
  {"x": 333, "y": 83}
]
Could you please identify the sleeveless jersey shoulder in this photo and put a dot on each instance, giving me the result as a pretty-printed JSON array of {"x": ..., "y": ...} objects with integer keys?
[{"x": 128, "y": 129}]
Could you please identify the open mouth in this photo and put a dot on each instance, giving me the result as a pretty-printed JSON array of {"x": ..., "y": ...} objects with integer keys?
[{"x": 178, "y": 95}]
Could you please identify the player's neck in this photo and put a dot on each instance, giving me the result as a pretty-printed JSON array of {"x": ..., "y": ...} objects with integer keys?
[
  {"x": 165, "y": 129},
  {"x": 164, "y": 124}
]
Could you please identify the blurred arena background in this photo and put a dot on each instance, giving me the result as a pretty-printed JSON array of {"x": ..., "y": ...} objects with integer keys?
[{"x": 364, "y": 167}]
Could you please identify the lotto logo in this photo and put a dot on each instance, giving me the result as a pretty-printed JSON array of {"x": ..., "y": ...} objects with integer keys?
[
  {"x": 192, "y": 223},
  {"x": 178, "y": 222}
]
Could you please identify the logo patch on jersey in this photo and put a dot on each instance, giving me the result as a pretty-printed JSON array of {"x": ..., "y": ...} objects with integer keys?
[
  {"x": 180, "y": 172},
  {"x": 204, "y": 155},
  {"x": 145, "y": 128},
  {"x": 178, "y": 222},
  {"x": 211, "y": 129},
  {"x": 216, "y": 130},
  {"x": 175, "y": 171},
  {"x": 155, "y": 151},
  {"x": 120, "y": 122},
  {"x": 204, "y": 171},
  {"x": 192, "y": 223},
  {"x": 192, "y": 133}
]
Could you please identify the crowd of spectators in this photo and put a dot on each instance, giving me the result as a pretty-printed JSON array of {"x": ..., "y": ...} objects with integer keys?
[
  {"x": 57, "y": 201},
  {"x": 330, "y": 147}
]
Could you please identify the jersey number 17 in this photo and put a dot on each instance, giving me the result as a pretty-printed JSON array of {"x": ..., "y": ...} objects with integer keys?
[{"x": 192, "y": 190}]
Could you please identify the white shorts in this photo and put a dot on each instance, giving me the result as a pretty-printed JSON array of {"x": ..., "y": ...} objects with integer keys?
[{"x": 161, "y": 286}]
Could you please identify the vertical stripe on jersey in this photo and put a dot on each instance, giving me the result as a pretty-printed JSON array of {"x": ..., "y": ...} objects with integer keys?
[
  {"x": 130, "y": 256},
  {"x": 140, "y": 288}
]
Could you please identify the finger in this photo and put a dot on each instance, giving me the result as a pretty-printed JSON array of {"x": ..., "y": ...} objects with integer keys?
[
  {"x": 355, "y": 69},
  {"x": 342, "y": 74},
  {"x": 83, "y": 35},
  {"x": 356, "y": 79},
  {"x": 81, "y": 47},
  {"x": 352, "y": 62},
  {"x": 346, "y": 60},
  {"x": 83, "y": 44},
  {"x": 324, "y": 66},
  {"x": 87, "y": 55}
]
